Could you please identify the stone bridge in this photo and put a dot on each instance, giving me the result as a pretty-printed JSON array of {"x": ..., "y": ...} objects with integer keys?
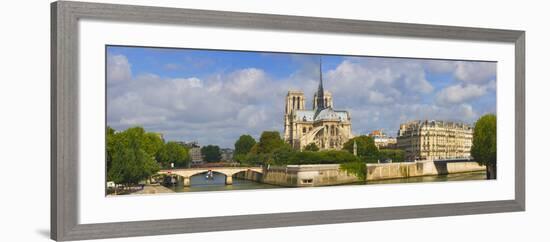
[{"x": 186, "y": 174}]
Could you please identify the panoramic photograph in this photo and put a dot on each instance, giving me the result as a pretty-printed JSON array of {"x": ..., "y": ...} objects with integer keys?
[{"x": 189, "y": 120}]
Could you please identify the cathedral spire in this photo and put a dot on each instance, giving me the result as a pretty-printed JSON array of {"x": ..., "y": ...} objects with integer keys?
[{"x": 320, "y": 92}]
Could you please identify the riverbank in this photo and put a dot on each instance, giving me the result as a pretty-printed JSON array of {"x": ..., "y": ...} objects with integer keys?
[
  {"x": 251, "y": 182},
  {"x": 376, "y": 172},
  {"x": 332, "y": 174},
  {"x": 464, "y": 176},
  {"x": 319, "y": 175},
  {"x": 153, "y": 189}
]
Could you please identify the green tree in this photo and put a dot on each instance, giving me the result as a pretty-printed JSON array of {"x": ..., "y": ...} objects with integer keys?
[
  {"x": 282, "y": 156},
  {"x": 357, "y": 168},
  {"x": 129, "y": 162},
  {"x": 173, "y": 152},
  {"x": 366, "y": 149},
  {"x": 263, "y": 151},
  {"x": 109, "y": 140},
  {"x": 484, "y": 144},
  {"x": 270, "y": 141},
  {"x": 254, "y": 149},
  {"x": 253, "y": 157},
  {"x": 244, "y": 144},
  {"x": 288, "y": 156},
  {"x": 311, "y": 147},
  {"x": 211, "y": 153},
  {"x": 395, "y": 155},
  {"x": 152, "y": 143}
]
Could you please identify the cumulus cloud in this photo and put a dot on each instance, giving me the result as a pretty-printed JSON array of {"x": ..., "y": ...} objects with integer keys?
[
  {"x": 377, "y": 97},
  {"x": 377, "y": 81},
  {"x": 205, "y": 110},
  {"x": 464, "y": 71},
  {"x": 118, "y": 69},
  {"x": 475, "y": 72},
  {"x": 217, "y": 108},
  {"x": 461, "y": 93}
]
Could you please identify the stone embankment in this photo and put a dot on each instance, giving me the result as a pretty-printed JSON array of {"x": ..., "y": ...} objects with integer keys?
[
  {"x": 153, "y": 189},
  {"x": 420, "y": 168},
  {"x": 327, "y": 175}
]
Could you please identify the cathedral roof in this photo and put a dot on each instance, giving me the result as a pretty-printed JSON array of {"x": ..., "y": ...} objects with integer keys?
[
  {"x": 332, "y": 115},
  {"x": 327, "y": 114},
  {"x": 321, "y": 112},
  {"x": 305, "y": 115}
]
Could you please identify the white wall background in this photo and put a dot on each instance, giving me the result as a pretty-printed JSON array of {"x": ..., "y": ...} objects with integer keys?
[{"x": 24, "y": 100}]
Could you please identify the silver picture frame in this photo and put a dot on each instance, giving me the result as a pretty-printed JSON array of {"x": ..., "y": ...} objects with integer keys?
[{"x": 65, "y": 16}]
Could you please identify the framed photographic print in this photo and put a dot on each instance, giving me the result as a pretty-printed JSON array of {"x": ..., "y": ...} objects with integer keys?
[{"x": 285, "y": 120}]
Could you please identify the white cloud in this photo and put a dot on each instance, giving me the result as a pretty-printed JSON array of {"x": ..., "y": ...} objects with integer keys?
[
  {"x": 440, "y": 66},
  {"x": 118, "y": 69},
  {"x": 464, "y": 71},
  {"x": 376, "y": 97},
  {"x": 372, "y": 81},
  {"x": 460, "y": 93},
  {"x": 378, "y": 92},
  {"x": 475, "y": 72},
  {"x": 245, "y": 84},
  {"x": 210, "y": 110}
]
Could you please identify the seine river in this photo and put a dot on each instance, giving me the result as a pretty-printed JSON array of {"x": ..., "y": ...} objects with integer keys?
[{"x": 200, "y": 183}]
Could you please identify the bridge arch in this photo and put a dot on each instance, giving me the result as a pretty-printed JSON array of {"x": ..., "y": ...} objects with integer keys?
[{"x": 186, "y": 174}]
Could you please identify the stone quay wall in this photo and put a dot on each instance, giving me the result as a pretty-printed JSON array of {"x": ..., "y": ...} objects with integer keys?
[
  {"x": 331, "y": 174},
  {"x": 307, "y": 175},
  {"x": 249, "y": 175},
  {"x": 419, "y": 168}
]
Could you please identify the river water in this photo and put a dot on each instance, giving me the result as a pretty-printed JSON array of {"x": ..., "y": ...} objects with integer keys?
[{"x": 200, "y": 183}]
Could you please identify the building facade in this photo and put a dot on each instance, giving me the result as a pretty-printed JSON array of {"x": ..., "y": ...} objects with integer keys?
[
  {"x": 382, "y": 140},
  {"x": 196, "y": 155},
  {"x": 434, "y": 140},
  {"x": 194, "y": 152},
  {"x": 321, "y": 125},
  {"x": 227, "y": 154}
]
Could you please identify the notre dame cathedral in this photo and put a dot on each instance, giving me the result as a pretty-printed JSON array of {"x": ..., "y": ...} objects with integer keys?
[{"x": 322, "y": 125}]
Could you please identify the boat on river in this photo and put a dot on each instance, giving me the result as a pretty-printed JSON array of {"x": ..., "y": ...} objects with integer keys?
[{"x": 209, "y": 175}]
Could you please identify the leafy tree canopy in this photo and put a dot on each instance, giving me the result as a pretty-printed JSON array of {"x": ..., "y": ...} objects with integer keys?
[
  {"x": 152, "y": 143},
  {"x": 357, "y": 168},
  {"x": 365, "y": 147},
  {"x": 244, "y": 144},
  {"x": 395, "y": 155},
  {"x": 211, "y": 153},
  {"x": 484, "y": 143},
  {"x": 270, "y": 141},
  {"x": 173, "y": 152},
  {"x": 292, "y": 157},
  {"x": 127, "y": 156},
  {"x": 311, "y": 147}
]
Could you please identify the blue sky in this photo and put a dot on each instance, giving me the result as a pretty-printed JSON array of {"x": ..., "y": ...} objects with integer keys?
[{"x": 215, "y": 96}]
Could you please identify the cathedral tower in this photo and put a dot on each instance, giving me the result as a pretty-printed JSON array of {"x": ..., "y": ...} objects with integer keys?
[
  {"x": 327, "y": 100},
  {"x": 321, "y": 99},
  {"x": 295, "y": 100},
  {"x": 323, "y": 126},
  {"x": 320, "y": 95}
]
